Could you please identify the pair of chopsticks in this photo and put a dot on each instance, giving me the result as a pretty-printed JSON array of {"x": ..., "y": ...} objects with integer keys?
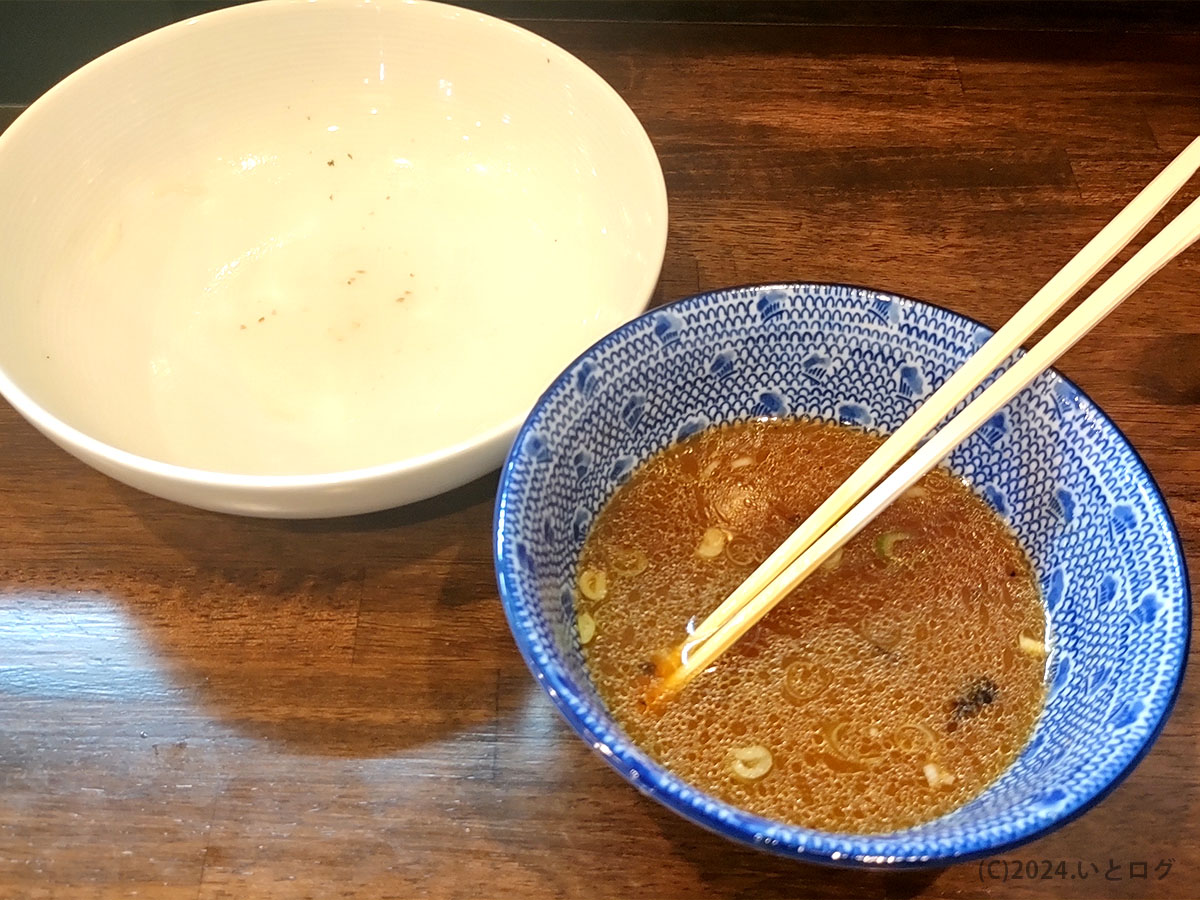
[{"x": 842, "y": 515}]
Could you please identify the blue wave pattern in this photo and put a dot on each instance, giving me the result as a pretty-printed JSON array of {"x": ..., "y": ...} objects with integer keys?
[{"x": 1061, "y": 474}]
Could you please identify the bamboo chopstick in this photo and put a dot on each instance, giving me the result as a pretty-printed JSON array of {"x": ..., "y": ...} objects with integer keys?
[
  {"x": 1065, "y": 284},
  {"x": 823, "y": 533}
]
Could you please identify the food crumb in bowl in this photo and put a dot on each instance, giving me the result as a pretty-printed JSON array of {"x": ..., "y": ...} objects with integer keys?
[
  {"x": 936, "y": 777},
  {"x": 330, "y": 163},
  {"x": 1031, "y": 646},
  {"x": 712, "y": 542},
  {"x": 981, "y": 692}
]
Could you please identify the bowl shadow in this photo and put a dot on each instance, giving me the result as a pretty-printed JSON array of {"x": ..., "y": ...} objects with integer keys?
[
  {"x": 587, "y": 811},
  {"x": 736, "y": 871},
  {"x": 318, "y": 635}
]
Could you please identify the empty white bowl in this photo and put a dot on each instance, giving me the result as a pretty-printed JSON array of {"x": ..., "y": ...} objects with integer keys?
[{"x": 316, "y": 258}]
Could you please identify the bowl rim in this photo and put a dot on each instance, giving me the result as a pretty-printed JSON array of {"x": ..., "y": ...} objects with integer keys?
[
  {"x": 73, "y": 438},
  {"x": 652, "y": 778}
]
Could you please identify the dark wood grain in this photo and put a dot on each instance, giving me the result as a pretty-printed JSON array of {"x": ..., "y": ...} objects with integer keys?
[{"x": 200, "y": 706}]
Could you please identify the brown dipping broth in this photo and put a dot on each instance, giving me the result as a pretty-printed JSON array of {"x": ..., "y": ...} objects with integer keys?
[{"x": 889, "y": 688}]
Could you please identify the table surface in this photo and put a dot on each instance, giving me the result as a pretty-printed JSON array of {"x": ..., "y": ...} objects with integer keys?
[{"x": 202, "y": 706}]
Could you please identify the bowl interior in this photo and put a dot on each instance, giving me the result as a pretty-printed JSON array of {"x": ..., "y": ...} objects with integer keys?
[
  {"x": 322, "y": 227},
  {"x": 1051, "y": 463}
]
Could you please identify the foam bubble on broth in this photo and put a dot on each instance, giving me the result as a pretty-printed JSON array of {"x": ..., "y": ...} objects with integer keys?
[{"x": 889, "y": 688}]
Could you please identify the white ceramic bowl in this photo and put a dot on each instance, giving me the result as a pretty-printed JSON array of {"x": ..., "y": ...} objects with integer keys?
[{"x": 316, "y": 258}]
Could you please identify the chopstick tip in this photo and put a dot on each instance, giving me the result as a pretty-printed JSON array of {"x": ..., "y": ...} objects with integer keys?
[{"x": 663, "y": 685}]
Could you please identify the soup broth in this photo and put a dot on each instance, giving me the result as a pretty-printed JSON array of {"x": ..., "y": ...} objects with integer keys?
[{"x": 892, "y": 686}]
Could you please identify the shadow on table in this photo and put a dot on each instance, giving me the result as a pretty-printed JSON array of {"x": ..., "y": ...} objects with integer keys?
[
  {"x": 340, "y": 637},
  {"x": 732, "y": 870},
  {"x": 592, "y": 829}
]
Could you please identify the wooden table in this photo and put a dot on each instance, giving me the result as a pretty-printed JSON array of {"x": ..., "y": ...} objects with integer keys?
[{"x": 201, "y": 706}]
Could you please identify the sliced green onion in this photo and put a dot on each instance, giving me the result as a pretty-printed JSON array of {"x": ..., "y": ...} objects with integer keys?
[
  {"x": 833, "y": 560},
  {"x": 629, "y": 561},
  {"x": 885, "y": 544},
  {"x": 750, "y": 763},
  {"x": 593, "y": 584}
]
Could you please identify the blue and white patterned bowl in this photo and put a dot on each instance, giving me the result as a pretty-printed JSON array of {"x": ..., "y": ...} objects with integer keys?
[{"x": 1082, "y": 502}]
